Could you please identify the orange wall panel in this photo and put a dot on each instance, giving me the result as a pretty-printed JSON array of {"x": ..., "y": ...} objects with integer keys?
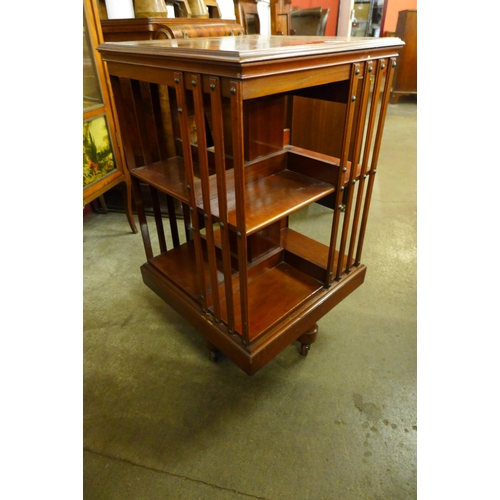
[{"x": 391, "y": 12}]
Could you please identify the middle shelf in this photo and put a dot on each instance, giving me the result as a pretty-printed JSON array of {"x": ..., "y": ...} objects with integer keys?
[{"x": 275, "y": 186}]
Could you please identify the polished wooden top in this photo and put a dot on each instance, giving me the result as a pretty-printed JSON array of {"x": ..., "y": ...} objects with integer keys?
[{"x": 250, "y": 48}]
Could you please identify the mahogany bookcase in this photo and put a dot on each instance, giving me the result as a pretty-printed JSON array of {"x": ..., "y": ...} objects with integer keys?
[{"x": 263, "y": 127}]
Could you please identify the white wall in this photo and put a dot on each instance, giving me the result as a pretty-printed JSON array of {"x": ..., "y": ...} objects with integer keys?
[
  {"x": 227, "y": 8},
  {"x": 345, "y": 18}
]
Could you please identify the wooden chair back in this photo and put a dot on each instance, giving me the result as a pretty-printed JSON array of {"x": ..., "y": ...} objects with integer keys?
[
  {"x": 310, "y": 21},
  {"x": 248, "y": 16}
]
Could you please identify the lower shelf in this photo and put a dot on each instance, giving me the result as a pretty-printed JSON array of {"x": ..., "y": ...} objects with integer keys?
[
  {"x": 272, "y": 293},
  {"x": 286, "y": 329},
  {"x": 278, "y": 285},
  {"x": 272, "y": 297}
]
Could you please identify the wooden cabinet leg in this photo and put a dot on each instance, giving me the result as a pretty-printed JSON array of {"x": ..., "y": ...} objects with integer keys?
[
  {"x": 307, "y": 338},
  {"x": 128, "y": 207}
]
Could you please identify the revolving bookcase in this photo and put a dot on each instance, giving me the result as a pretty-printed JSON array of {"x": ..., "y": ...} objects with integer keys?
[{"x": 263, "y": 128}]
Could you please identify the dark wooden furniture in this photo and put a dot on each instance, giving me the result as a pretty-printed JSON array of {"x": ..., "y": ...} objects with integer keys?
[
  {"x": 310, "y": 22},
  {"x": 405, "y": 79},
  {"x": 281, "y": 17},
  {"x": 213, "y": 9},
  {"x": 103, "y": 160},
  {"x": 237, "y": 267},
  {"x": 157, "y": 28},
  {"x": 247, "y": 15}
]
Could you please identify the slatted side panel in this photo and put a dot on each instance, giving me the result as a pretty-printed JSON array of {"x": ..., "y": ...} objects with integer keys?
[
  {"x": 146, "y": 105},
  {"x": 128, "y": 108},
  {"x": 346, "y": 136},
  {"x": 363, "y": 88},
  {"x": 237, "y": 126},
  {"x": 385, "y": 69},
  {"x": 139, "y": 105},
  {"x": 197, "y": 85},
  {"x": 377, "y": 69},
  {"x": 366, "y": 112},
  {"x": 220, "y": 167},
  {"x": 180, "y": 89}
]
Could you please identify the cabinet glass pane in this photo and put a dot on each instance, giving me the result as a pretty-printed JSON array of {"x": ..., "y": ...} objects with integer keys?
[
  {"x": 92, "y": 96},
  {"x": 98, "y": 157}
]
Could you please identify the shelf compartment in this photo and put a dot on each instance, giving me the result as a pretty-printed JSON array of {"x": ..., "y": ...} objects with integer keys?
[
  {"x": 271, "y": 197},
  {"x": 268, "y": 280},
  {"x": 322, "y": 165},
  {"x": 305, "y": 177},
  {"x": 268, "y": 199},
  {"x": 273, "y": 296},
  {"x": 179, "y": 266},
  {"x": 282, "y": 283},
  {"x": 307, "y": 255},
  {"x": 277, "y": 285},
  {"x": 277, "y": 196},
  {"x": 168, "y": 176},
  {"x": 251, "y": 358}
]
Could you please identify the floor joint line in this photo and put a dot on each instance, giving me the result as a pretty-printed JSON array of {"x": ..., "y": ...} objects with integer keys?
[{"x": 130, "y": 462}]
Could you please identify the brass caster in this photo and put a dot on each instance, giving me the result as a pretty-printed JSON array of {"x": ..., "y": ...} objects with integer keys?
[
  {"x": 214, "y": 355},
  {"x": 213, "y": 352},
  {"x": 304, "y": 349},
  {"x": 307, "y": 338}
]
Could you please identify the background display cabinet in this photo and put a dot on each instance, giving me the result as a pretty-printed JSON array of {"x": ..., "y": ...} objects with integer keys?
[
  {"x": 405, "y": 78},
  {"x": 249, "y": 158},
  {"x": 103, "y": 164}
]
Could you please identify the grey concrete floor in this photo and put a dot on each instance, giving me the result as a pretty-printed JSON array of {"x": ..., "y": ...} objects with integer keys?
[{"x": 163, "y": 422}]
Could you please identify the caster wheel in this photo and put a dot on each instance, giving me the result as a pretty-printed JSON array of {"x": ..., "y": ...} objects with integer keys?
[
  {"x": 304, "y": 349},
  {"x": 307, "y": 338},
  {"x": 214, "y": 355}
]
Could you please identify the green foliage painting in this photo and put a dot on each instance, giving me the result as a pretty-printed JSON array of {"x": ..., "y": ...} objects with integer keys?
[{"x": 98, "y": 159}]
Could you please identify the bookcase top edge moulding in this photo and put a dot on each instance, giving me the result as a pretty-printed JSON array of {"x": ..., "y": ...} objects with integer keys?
[{"x": 260, "y": 128}]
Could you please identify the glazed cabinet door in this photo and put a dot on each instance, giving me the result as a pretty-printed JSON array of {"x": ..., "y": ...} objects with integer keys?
[{"x": 103, "y": 163}]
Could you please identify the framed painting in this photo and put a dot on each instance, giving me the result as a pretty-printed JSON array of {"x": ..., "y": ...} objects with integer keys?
[{"x": 98, "y": 156}]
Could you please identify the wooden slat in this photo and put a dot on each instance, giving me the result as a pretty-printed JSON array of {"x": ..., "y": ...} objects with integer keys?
[
  {"x": 205, "y": 189},
  {"x": 141, "y": 214},
  {"x": 124, "y": 100},
  {"x": 237, "y": 126},
  {"x": 188, "y": 166},
  {"x": 162, "y": 119},
  {"x": 346, "y": 146},
  {"x": 389, "y": 72},
  {"x": 220, "y": 166},
  {"x": 158, "y": 219},
  {"x": 370, "y": 125},
  {"x": 364, "y": 79},
  {"x": 174, "y": 230},
  {"x": 148, "y": 130},
  {"x": 346, "y": 135}
]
